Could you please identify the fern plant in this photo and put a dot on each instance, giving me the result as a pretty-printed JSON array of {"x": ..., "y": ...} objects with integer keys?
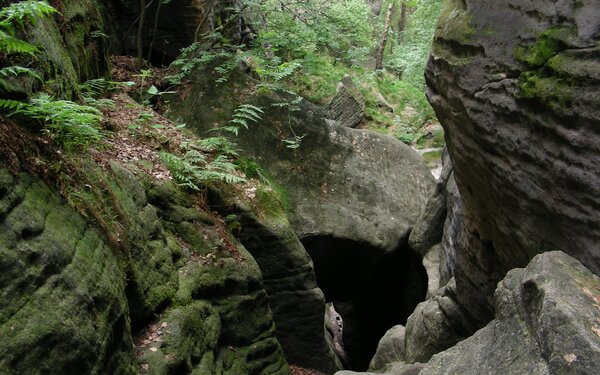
[
  {"x": 70, "y": 124},
  {"x": 203, "y": 161},
  {"x": 242, "y": 116},
  {"x": 12, "y": 19}
]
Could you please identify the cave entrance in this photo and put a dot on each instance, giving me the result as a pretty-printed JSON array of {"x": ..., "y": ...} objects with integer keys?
[{"x": 372, "y": 290}]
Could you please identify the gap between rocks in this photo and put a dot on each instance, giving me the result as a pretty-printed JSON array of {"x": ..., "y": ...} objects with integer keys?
[{"x": 372, "y": 290}]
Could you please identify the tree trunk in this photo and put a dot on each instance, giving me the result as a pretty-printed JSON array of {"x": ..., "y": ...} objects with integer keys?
[
  {"x": 155, "y": 29},
  {"x": 386, "y": 29},
  {"x": 140, "y": 33},
  {"x": 402, "y": 20}
]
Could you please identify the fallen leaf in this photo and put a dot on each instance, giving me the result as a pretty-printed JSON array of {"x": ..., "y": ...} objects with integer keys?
[
  {"x": 570, "y": 358},
  {"x": 153, "y": 349},
  {"x": 596, "y": 330}
]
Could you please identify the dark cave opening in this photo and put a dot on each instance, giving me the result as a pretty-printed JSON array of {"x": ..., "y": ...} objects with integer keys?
[{"x": 372, "y": 290}]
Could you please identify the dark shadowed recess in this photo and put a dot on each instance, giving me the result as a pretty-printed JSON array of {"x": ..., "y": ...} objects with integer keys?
[{"x": 371, "y": 290}]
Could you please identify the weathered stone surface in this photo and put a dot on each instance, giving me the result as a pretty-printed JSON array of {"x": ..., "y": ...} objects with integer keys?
[
  {"x": 436, "y": 325},
  {"x": 297, "y": 303},
  {"x": 63, "y": 308},
  {"x": 70, "y": 292},
  {"x": 341, "y": 182},
  {"x": 396, "y": 368},
  {"x": 547, "y": 322},
  {"x": 348, "y": 105},
  {"x": 454, "y": 240},
  {"x": 429, "y": 228},
  {"x": 69, "y": 54},
  {"x": 520, "y": 104},
  {"x": 432, "y": 262},
  {"x": 219, "y": 278},
  {"x": 390, "y": 349}
]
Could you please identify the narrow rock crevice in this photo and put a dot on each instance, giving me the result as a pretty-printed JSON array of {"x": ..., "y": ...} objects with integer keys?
[{"x": 372, "y": 290}]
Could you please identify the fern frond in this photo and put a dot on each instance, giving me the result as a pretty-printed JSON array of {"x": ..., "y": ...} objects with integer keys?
[
  {"x": 94, "y": 87},
  {"x": 230, "y": 129},
  {"x": 12, "y": 105},
  {"x": 19, "y": 70},
  {"x": 9, "y": 44},
  {"x": 27, "y": 10}
]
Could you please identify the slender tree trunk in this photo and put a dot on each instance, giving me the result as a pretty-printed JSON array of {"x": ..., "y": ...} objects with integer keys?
[
  {"x": 386, "y": 29},
  {"x": 402, "y": 21},
  {"x": 154, "y": 29},
  {"x": 140, "y": 33}
]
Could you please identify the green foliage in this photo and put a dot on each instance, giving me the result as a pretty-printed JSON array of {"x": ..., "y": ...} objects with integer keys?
[
  {"x": 197, "y": 166},
  {"x": 14, "y": 17},
  {"x": 19, "y": 70},
  {"x": 196, "y": 57},
  {"x": 70, "y": 124},
  {"x": 410, "y": 56},
  {"x": 242, "y": 115},
  {"x": 295, "y": 29},
  {"x": 20, "y": 12}
]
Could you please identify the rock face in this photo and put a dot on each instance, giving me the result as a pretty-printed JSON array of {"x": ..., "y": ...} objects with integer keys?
[
  {"x": 63, "y": 308},
  {"x": 341, "y": 182},
  {"x": 547, "y": 322},
  {"x": 354, "y": 196},
  {"x": 348, "y": 105},
  {"x": 520, "y": 105},
  {"x": 72, "y": 295},
  {"x": 69, "y": 53},
  {"x": 297, "y": 303}
]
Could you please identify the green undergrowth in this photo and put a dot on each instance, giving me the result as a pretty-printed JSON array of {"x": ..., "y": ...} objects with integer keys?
[{"x": 319, "y": 75}]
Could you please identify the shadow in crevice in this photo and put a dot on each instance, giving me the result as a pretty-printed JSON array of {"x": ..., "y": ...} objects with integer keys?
[{"x": 372, "y": 290}]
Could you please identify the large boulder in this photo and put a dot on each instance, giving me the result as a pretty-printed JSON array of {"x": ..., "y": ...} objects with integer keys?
[
  {"x": 547, "y": 322},
  {"x": 520, "y": 105},
  {"x": 341, "y": 182}
]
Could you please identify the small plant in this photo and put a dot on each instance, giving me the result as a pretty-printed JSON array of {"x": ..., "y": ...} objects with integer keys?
[
  {"x": 13, "y": 18},
  {"x": 201, "y": 163},
  {"x": 242, "y": 115},
  {"x": 70, "y": 124}
]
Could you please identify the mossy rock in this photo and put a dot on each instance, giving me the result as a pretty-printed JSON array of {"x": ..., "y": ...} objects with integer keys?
[
  {"x": 184, "y": 340},
  {"x": 63, "y": 307}
]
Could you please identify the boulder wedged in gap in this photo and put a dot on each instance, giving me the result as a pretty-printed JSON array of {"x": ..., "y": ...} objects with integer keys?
[
  {"x": 348, "y": 105},
  {"x": 347, "y": 183}
]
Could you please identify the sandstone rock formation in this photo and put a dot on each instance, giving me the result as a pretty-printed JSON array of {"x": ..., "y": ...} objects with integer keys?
[
  {"x": 547, "y": 322},
  {"x": 348, "y": 105},
  {"x": 73, "y": 300},
  {"x": 516, "y": 85},
  {"x": 354, "y": 196}
]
